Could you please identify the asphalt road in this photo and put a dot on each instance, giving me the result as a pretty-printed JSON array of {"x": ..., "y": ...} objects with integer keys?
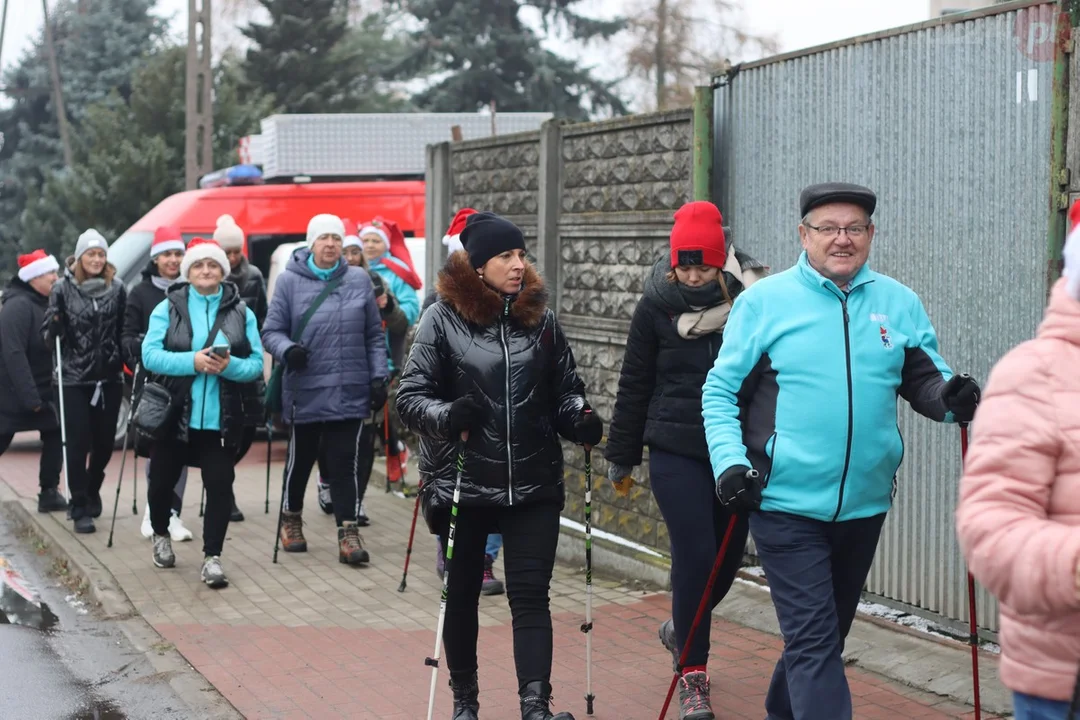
[{"x": 59, "y": 661}]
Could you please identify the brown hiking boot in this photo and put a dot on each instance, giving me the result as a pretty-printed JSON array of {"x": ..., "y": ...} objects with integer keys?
[
  {"x": 350, "y": 551},
  {"x": 292, "y": 532}
]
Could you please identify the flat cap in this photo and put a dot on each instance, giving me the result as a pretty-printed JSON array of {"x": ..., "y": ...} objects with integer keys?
[{"x": 825, "y": 193}]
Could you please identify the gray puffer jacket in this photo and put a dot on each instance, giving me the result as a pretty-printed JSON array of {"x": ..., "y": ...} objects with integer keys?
[{"x": 346, "y": 348}]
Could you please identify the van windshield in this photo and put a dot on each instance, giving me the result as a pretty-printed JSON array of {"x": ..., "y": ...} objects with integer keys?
[{"x": 129, "y": 254}]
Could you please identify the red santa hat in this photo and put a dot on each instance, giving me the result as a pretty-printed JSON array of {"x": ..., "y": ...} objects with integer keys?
[
  {"x": 698, "y": 236},
  {"x": 166, "y": 238},
  {"x": 352, "y": 235},
  {"x": 1071, "y": 253},
  {"x": 395, "y": 240},
  {"x": 36, "y": 264},
  {"x": 452, "y": 238},
  {"x": 203, "y": 249}
]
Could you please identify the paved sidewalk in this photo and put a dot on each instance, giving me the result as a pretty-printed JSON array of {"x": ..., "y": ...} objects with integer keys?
[{"x": 312, "y": 638}]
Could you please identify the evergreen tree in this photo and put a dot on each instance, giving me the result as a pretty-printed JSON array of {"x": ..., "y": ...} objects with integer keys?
[
  {"x": 96, "y": 52},
  {"x": 489, "y": 55},
  {"x": 313, "y": 62}
]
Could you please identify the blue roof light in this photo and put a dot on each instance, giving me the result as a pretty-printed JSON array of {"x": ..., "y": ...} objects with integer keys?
[{"x": 230, "y": 176}]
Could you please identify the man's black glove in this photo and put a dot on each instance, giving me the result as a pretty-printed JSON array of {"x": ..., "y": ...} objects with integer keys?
[
  {"x": 465, "y": 414},
  {"x": 961, "y": 397},
  {"x": 739, "y": 488},
  {"x": 296, "y": 357},
  {"x": 379, "y": 392},
  {"x": 588, "y": 429}
]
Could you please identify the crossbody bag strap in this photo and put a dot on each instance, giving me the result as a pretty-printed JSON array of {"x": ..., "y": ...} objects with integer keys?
[{"x": 310, "y": 312}]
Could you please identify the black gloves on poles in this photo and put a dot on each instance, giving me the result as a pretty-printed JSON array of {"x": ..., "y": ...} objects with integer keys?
[
  {"x": 588, "y": 429},
  {"x": 379, "y": 392},
  {"x": 465, "y": 414},
  {"x": 296, "y": 357},
  {"x": 739, "y": 488},
  {"x": 961, "y": 397}
]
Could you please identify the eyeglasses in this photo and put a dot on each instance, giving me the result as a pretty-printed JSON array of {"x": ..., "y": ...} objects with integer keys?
[{"x": 854, "y": 232}]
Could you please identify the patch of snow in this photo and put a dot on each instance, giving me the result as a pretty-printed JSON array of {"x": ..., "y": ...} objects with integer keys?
[
  {"x": 76, "y": 604},
  {"x": 755, "y": 570},
  {"x": 610, "y": 537},
  {"x": 921, "y": 624}
]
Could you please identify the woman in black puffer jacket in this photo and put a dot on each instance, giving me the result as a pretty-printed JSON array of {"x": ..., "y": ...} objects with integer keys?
[
  {"x": 490, "y": 361},
  {"x": 86, "y": 310},
  {"x": 675, "y": 336}
]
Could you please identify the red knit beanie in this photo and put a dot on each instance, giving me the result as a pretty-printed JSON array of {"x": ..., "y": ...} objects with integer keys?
[{"x": 698, "y": 236}]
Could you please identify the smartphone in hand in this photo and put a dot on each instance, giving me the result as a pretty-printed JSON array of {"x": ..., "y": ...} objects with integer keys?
[{"x": 222, "y": 351}]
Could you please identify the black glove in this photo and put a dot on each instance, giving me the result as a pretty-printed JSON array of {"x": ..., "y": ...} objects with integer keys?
[
  {"x": 961, "y": 396},
  {"x": 390, "y": 305},
  {"x": 588, "y": 429},
  {"x": 379, "y": 392},
  {"x": 377, "y": 284},
  {"x": 465, "y": 414},
  {"x": 739, "y": 489},
  {"x": 56, "y": 328},
  {"x": 296, "y": 357}
]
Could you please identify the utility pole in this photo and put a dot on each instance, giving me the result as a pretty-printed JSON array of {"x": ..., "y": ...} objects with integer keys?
[
  {"x": 58, "y": 92},
  {"x": 3, "y": 27},
  {"x": 198, "y": 110}
]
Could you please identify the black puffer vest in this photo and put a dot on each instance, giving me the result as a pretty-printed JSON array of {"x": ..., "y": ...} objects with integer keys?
[{"x": 241, "y": 403}]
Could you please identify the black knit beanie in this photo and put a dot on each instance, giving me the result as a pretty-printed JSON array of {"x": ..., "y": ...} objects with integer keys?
[{"x": 487, "y": 235}]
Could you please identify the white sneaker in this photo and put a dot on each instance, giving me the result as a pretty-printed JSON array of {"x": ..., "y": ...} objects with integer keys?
[
  {"x": 147, "y": 529},
  {"x": 177, "y": 531}
]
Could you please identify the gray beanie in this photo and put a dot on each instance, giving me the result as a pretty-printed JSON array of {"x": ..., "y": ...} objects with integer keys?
[{"x": 90, "y": 239}]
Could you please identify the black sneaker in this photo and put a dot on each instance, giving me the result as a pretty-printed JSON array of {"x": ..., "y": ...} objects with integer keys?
[
  {"x": 50, "y": 500},
  {"x": 85, "y": 525},
  {"x": 93, "y": 505},
  {"x": 236, "y": 515}
]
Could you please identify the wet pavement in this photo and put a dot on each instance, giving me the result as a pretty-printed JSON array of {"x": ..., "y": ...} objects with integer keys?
[{"x": 60, "y": 662}]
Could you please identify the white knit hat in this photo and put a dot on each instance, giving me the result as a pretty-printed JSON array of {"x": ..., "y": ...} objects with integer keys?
[
  {"x": 90, "y": 239},
  {"x": 1071, "y": 254},
  {"x": 203, "y": 249},
  {"x": 324, "y": 225},
  {"x": 228, "y": 234},
  {"x": 35, "y": 264}
]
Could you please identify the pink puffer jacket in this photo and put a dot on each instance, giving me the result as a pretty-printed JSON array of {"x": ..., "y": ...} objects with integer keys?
[{"x": 1019, "y": 513}]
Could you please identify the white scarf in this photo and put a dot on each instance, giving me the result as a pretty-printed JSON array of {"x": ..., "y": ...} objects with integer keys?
[{"x": 702, "y": 321}]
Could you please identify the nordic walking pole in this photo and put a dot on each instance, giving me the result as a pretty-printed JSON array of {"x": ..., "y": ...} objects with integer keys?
[
  {"x": 434, "y": 661},
  {"x": 386, "y": 433},
  {"x": 202, "y": 500},
  {"x": 285, "y": 481},
  {"x": 701, "y": 610},
  {"x": 119, "y": 483},
  {"x": 408, "y": 548},
  {"x": 269, "y": 440},
  {"x": 588, "y": 625},
  {"x": 973, "y": 623},
  {"x": 134, "y": 453},
  {"x": 63, "y": 424}
]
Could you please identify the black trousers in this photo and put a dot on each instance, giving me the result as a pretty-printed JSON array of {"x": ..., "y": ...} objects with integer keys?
[
  {"x": 91, "y": 430},
  {"x": 246, "y": 441},
  {"x": 207, "y": 451},
  {"x": 530, "y": 535},
  {"x": 344, "y": 450},
  {"x": 52, "y": 457}
]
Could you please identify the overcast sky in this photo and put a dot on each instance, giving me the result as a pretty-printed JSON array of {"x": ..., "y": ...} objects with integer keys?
[{"x": 797, "y": 23}]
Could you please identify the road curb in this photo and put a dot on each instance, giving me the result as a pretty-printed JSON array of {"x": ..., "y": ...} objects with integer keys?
[{"x": 195, "y": 691}]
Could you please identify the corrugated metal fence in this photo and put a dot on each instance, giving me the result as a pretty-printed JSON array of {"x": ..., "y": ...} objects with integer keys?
[{"x": 949, "y": 122}]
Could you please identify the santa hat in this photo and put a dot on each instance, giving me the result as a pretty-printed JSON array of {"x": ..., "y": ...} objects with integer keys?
[
  {"x": 324, "y": 225},
  {"x": 372, "y": 230},
  {"x": 1072, "y": 253},
  {"x": 352, "y": 235},
  {"x": 698, "y": 236},
  {"x": 36, "y": 264},
  {"x": 395, "y": 239},
  {"x": 228, "y": 234},
  {"x": 166, "y": 238},
  {"x": 203, "y": 249},
  {"x": 452, "y": 238}
]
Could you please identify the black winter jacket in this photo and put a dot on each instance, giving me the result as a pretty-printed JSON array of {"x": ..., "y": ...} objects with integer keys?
[
  {"x": 90, "y": 328},
  {"x": 249, "y": 281},
  {"x": 141, "y": 302},
  {"x": 474, "y": 341},
  {"x": 26, "y": 365},
  {"x": 241, "y": 403},
  {"x": 659, "y": 399}
]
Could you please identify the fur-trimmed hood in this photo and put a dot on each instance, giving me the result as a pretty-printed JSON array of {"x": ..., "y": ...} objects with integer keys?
[{"x": 476, "y": 302}]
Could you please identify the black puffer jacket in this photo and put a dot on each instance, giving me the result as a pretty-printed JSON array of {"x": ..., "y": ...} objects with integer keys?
[
  {"x": 249, "y": 281},
  {"x": 659, "y": 400},
  {"x": 241, "y": 403},
  {"x": 91, "y": 325},
  {"x": 472, "y": 340},
  {"x": 141, "y": 302},
  {"x": 26, "y": 365}
]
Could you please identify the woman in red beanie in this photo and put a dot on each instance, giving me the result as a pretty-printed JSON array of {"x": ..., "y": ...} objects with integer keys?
[{"x": 675, "y": 335}]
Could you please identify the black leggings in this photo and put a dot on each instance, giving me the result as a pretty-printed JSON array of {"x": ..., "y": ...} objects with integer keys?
[
  {"x": 91, "y": 430},
  {"x": 345, "y": 452},
  {"x": 205, "y": 450},
  {"x": 530, "y": 536}
]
